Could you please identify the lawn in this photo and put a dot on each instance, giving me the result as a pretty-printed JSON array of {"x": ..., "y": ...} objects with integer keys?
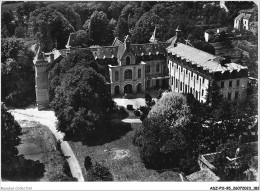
[{"x": 121, "y": 157}]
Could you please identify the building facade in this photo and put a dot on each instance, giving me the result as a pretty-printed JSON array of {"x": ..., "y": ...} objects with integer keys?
[
  {"x": 135, "y": 68},
  {"x": 191, "y": 71}
]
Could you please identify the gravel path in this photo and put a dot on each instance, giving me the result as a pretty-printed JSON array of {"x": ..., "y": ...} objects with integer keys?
[{"x": 48, "y": 119}]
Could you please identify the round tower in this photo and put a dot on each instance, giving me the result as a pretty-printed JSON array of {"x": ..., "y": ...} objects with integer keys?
[{"x": 41, "y": 80}]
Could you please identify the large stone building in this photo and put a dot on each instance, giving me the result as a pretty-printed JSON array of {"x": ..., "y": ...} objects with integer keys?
[{"x": 135, "y": 68}]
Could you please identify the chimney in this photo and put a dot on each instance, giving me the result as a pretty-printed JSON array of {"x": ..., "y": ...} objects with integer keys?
[{"x": 177, "y": 36}]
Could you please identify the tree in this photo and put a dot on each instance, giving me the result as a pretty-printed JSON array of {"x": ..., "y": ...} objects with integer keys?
[
  {"x": 82, "y": 104},
  {"x": 116, "y": 8},
  {"x": 68, "y": 12},
  {"x": 204, "y": 46},
  {"x": 163, "y": 139},
  {"x": 51, "y": 28},
  {"x": 121, "y": 29},
  {"x": 18, "y": 87},
  {"x": 82, "y": 57},
  {"x": 98, "y": 29},
  {"x": 10, "y": 138},
  {"x": 8, "y": 23},
  {"x": 145, "y": 26},
  {"x": 26, "y": 8}
]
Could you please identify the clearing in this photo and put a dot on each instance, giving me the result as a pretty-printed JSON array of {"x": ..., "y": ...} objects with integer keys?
[{"x": 121, "y": 157}]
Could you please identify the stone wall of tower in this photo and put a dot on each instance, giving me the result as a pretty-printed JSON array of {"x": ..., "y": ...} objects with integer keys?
[{"x": 41, "y": 83}]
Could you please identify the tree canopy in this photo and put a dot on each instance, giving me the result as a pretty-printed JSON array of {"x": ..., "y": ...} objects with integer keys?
[
  {"x": 51, "y": 27},
  {"x": 163, "y": 140},
  {"x": 81, "y": 100},
  {"x": 17, "y": 73}
]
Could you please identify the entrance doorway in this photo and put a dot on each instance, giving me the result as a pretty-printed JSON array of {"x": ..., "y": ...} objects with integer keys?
[
  {"x": 117, "y": 92},
  {"x": 139, "y": 88},
  {"x": 128, "y": 89}
]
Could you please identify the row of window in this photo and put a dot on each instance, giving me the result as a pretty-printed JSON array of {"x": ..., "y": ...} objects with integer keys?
[
  {"x": 184, "y": 87},
  {"x": 148, "y": 68},
  {"x": 230, "y": 84},
  {"x": 190, "y": 74},
  {"x": 128, "y": 74},
  {"x": 236, "y": 95}
]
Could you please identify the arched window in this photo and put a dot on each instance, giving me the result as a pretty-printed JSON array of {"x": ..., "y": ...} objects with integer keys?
[
  {"x": 128, "y": 74},
  {"x": 116, "y": 76},
  {"x": 127, "y": 60}
]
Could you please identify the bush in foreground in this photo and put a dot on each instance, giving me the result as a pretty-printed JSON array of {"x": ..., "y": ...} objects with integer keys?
[{"x": 163, "y": 141}]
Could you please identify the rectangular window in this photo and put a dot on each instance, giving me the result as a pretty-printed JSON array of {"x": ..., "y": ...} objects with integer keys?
[
  {"x": 139, "y": 73},
  {"x": 222, "y": 84},
  {"x": 230, "y": 84},
  {"x": 116, "y": 76},
  {"x": 203, "y": 80},
  {"x": 197, "y": 77},
  {"x": 147, "y": 68},
  {"x": 176, "y": 83},
  {"x": 186, "y": 72},
  {"x": 157, "y": 68},
  {"x": 229, "y": 96},
  {"x": 202, "y": 93},
  {"x": 181, "y": 69},
  {"x": 181, "y": 86},
  {"x": 238, "y": 82},
  {"x": 236, "y": 96},
  {"x": 191, "y": 74}
]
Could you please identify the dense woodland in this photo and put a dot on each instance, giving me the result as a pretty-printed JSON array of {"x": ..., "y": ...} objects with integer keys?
[
  {"x": 173, "y": 135},
  {"x": 97, "y": 23}
]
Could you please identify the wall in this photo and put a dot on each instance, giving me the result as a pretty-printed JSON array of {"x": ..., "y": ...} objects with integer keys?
[{"x": 241, "y": 89}]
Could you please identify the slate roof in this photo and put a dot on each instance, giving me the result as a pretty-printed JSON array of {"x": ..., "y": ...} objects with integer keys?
[
  {"x": 247, "y": 16},
  {"x": 137, "y": 49},
  {"x": 248, "y": 10},
  {"x": 240, "y": 16},
  {"x": 104, "y": 52},
  {"x": 202, "y": 59}
]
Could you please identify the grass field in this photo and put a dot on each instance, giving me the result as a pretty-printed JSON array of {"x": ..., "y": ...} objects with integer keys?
[{"x": 121, "y": 157}]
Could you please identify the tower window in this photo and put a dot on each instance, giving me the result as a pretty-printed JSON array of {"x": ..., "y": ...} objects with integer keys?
[
  {"x": 222, "y": 84},
  {"x": 116, "y": 76},
  {"x": 139, "y": 73},
  {"x": 128, "y": 60}
]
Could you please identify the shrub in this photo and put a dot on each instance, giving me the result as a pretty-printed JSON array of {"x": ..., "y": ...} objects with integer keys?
[
  {"x": 129, "y": 107},
  {"x": 163, "y": 140},
  {"x": 98, "y": 172},
  {"x": 137, "y": 113},
  {"x": 87, "y": 163}
]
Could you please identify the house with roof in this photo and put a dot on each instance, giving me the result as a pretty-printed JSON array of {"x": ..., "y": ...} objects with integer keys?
[
  {"x": 135, "y": 68},
  {"x": 245, "y": 17}
]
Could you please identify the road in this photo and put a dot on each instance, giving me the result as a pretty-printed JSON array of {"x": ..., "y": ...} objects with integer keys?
[{"x": 48, "y": 119}]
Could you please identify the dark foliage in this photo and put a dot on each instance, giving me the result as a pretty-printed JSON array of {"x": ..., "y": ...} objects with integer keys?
[
  {"x": 51, "y": 28},
  {"x": 87, "y": 163},
  {"x": 82, "y": 104},
  {"x": 99, "y": 172},
  {"x": 164, "y": 142},
  {"x": 18, "y": 86}
]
